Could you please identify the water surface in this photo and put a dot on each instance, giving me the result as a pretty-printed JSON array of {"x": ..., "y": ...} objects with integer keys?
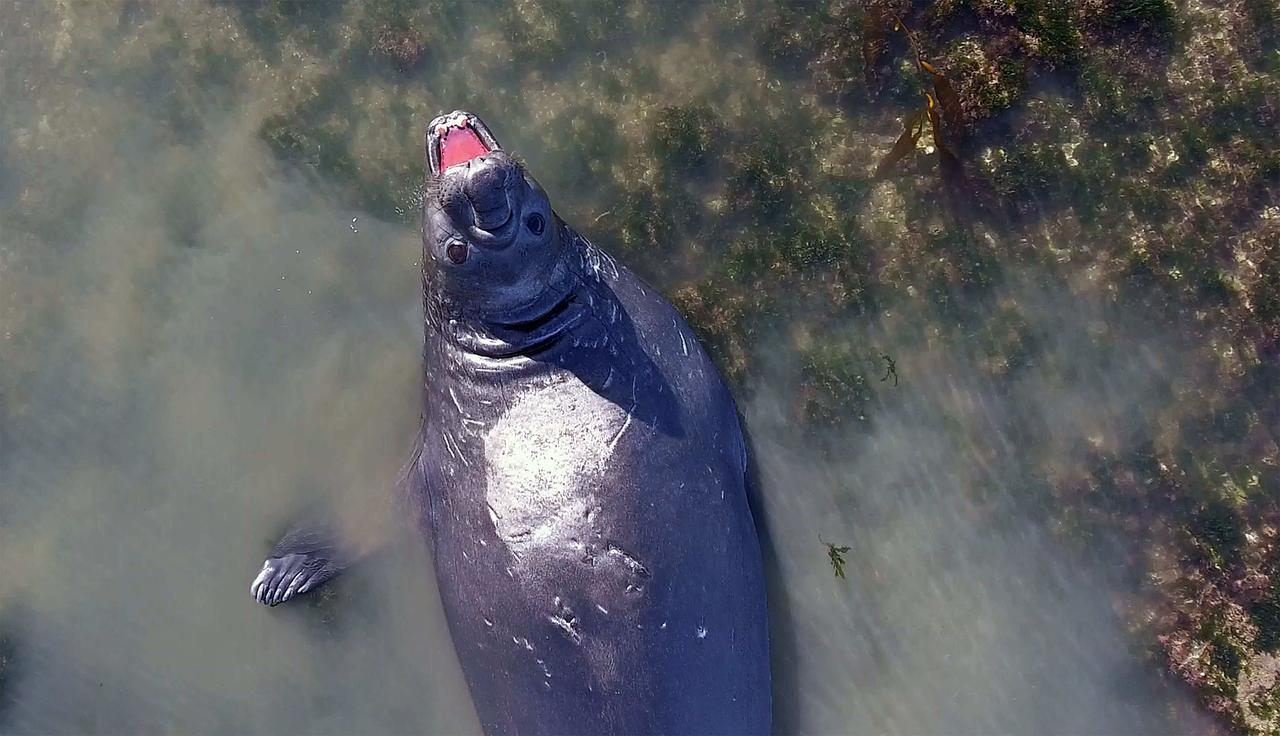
[{"x": 200, "y": 339}]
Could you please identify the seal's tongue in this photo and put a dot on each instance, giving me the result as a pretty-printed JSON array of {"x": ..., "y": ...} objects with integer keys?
[{"x": 459, "y": 145}]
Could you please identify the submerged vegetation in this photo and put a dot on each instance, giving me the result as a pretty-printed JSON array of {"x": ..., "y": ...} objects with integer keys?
[
  {"x": 6, "y": 659},
  {"x": 1122, "y": 152},
  {"x": 835, "y": 555}
]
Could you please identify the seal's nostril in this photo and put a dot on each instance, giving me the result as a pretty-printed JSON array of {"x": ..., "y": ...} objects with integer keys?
[
  {"x": 492, "y": 219},
  {"x": 486, "y": 188},
  {"x": 484, "y": 176}
]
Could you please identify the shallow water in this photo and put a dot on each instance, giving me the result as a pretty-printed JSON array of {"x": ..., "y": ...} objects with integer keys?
[
  {"x": 213, "y": 340},
  {"x": 963, "y": 612}
]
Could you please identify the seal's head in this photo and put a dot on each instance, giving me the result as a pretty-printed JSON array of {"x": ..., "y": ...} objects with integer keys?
[{"x": 491, "y": 244}]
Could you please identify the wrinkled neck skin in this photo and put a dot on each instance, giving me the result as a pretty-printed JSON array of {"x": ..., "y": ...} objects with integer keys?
[{"x": 510, "y": 338}]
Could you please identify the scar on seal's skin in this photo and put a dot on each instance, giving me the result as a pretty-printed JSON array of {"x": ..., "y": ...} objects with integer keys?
[
  {"x": 566, "y": 621},
  {"x": 635, "y": 566}
]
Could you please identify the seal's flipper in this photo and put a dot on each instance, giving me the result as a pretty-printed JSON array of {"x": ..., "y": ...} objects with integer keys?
[
  {"x": 311, "y": 553},
  {"x": 284, "y": 577},
  {"x": 304, "y": 558}
]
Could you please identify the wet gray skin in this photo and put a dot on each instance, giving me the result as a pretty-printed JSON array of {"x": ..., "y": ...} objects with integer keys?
[{"x": 580, "y": 476}]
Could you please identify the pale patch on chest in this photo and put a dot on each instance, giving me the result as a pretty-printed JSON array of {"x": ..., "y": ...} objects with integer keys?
[{"x": 546, "y": 458}]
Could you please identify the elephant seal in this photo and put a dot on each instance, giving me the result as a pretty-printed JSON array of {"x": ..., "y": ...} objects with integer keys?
[{"x": 580, "y": 475}]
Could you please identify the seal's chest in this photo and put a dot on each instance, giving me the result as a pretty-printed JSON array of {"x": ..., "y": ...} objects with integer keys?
[{"x": 547, "y": 460}]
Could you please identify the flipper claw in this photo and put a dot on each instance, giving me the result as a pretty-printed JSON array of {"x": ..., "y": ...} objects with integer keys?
[{"x": 290, "y": 575}]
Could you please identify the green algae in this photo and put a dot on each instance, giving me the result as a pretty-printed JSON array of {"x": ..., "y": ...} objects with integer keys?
[
  {"x": 1266, "y": 616},
  {"x": 1217, "y": 528},
  {"x": 684, "y": 138},
  {"x": 837, "y": 383},
  {"x": 766, "y": 179},
  {"x": 1156, "y": 16},
  {"x": 836, "y": 556},
  {"x": 1054, "y": 28}
]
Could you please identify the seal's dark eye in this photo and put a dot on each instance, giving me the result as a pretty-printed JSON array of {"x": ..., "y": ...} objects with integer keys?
[
  {"x": 535, "y": 223},
  {"x": 457, "y": 252}
]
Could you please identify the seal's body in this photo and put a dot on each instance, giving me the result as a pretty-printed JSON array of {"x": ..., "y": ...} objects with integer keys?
[
  {"x": 581, "y": 475},
  {"x": 593, "y": 544}
]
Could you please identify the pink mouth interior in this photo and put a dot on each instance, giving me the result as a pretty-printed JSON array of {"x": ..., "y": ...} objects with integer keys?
[{"x": 459, "y": 145}]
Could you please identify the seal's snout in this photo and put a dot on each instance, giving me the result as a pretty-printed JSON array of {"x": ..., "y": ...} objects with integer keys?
[
  {"x": 475, "y": 175},
  {"x": 486, "y": 188}
]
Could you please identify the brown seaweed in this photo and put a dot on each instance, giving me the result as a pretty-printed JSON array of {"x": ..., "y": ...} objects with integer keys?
[
  {"x": 962, "y": 189},
  {"x": 942, "y": 111},
  {"x": 912, "y": 129},
  {"x": 947, "y": 99}
]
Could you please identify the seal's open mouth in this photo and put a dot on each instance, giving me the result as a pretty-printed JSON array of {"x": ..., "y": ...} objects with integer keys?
[{"x": 457, "y": 138}]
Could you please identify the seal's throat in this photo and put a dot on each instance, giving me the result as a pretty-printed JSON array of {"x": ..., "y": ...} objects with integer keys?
[
  {"x": 532, "y": 325},
  {"x": 460, "y": 145},
  {"x": 534, "y": 334}
]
